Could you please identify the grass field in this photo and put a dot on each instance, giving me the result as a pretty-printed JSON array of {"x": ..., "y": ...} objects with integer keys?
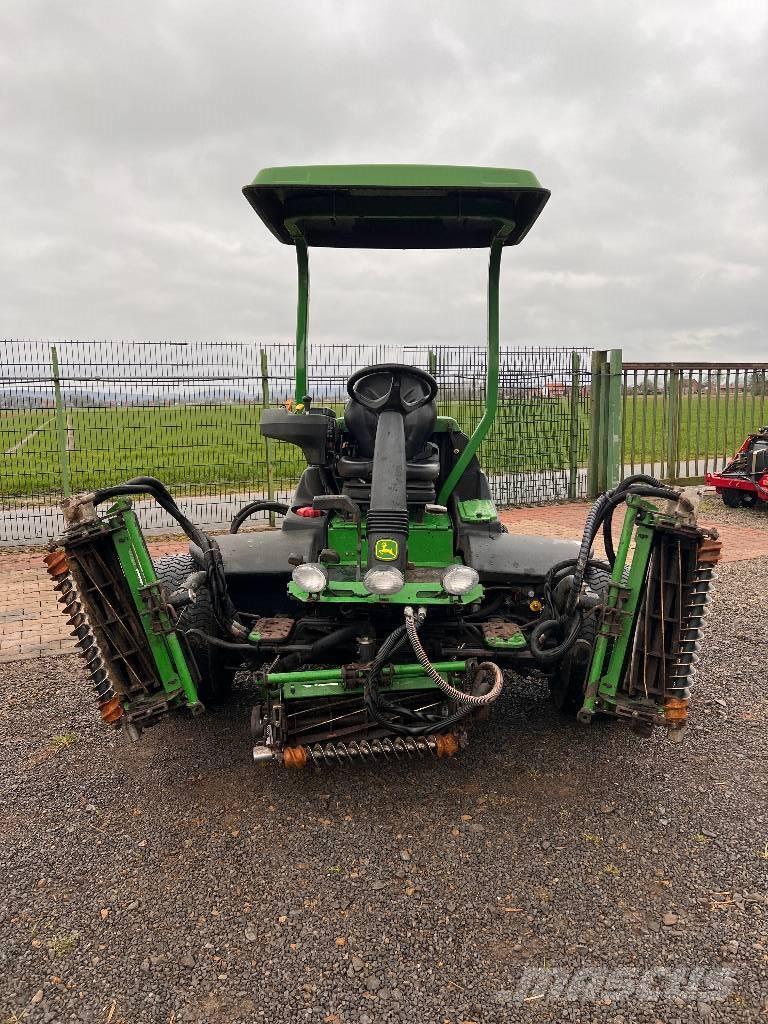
[
  {"x": 710, "y": 425},
  {"x": 219, "y": 447}
]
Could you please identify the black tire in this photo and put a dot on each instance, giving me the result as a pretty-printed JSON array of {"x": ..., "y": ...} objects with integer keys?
[
  {"x": 567, "y": 686},
  {"x": 732, "y": 497},
  {"x": 173, "y": 570},
  {"x": 748, "y": 499},
  {"x": 215, "y": 665},
  {"x": 216, "y": 674}
]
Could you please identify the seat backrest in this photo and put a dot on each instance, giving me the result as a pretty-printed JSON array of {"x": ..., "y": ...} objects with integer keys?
[{"x": 419, "y": 426}]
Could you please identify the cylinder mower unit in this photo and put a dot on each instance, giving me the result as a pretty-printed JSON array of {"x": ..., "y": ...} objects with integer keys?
[
  {"x": 124, "y": 629},
  {"x": 744, "y": 481},
  {"x": 378, "y": 622}
]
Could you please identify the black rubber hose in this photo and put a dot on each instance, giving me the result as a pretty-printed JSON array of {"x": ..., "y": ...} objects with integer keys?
[
  {"x": 394, "y": 641},
  {"x": 640, "y": 478},
  {"x": 551, "y": 654},
  {"x": 646, "y": 491},
  {"x": 256, "y": 506},
  {"x": 631, "y": 485},
  {"x": 639, "y": 484},
  {"x": 322, "y": 645},
  {"x": 223, "y": 608},
  {"x": 227, "y": 645}
]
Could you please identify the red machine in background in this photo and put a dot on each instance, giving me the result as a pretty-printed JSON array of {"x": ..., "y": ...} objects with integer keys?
[{"x": 744, "y": 481}]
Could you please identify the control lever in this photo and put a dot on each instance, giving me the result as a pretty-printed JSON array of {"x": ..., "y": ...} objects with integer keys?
[{"x": 343, "y": 503}]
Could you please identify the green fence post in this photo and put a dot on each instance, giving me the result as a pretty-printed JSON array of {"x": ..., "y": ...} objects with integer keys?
[
  {"x": 595, "y": 415},
  {"x": 672, "y": 470},
  {"x": 613, "y": 436},
  {"x": 61, "y": 424},
  {"x": 432, "y": 362},
  {"x": 573, "y": 447},
  {"x": 267, "y": 440}
]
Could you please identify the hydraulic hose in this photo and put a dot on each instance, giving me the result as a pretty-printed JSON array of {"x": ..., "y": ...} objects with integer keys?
[
  {"x": 637, "y": 484},
  {"x": 223, "y": 608},
  {"x": 412, "y": 623},
  {"x": 422, "y": 724},
  {"x": 550, "y": 654},
  {"x": 639, "y": 478},
  {"x": 252, "y": 508},
  {"x": 216, "y": 641},
  {"x": 337, "y": 638},
  {"x": 601, "y": 514}
]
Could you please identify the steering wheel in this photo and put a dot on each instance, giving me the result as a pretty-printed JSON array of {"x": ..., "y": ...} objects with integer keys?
[{"x": 392, "y": 386}]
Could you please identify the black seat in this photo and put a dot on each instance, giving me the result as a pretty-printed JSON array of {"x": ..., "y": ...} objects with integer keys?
[{"x": 422, "y": 466}]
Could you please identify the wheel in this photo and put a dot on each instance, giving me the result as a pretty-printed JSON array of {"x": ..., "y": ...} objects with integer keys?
[
  {"x": 216, "y": 674},
  {"x": 732, "y": 497},
  {"x": 216, "y": 666},
  {"x": 748, "y": 499},
  {"x": 566, "y": 688},
  {"x": 173, "y": 570}
]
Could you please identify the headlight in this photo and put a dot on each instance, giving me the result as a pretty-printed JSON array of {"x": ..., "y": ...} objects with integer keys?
[
  {"x": 383, "y": 581},
  {"x": 310, "y": 577},
  {"x": 460, "y": 579}
]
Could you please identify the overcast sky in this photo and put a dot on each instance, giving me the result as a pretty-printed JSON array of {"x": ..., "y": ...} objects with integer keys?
[{"x": 129, "y": 129}]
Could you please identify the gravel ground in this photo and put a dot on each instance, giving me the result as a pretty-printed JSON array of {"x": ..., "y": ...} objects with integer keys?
[
  {"x": 714, "y": 510},
  {"x": 172, "y": 881}
]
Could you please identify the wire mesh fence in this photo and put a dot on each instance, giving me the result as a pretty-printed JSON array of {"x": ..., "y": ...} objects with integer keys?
[{"x": 79, "y": 415}]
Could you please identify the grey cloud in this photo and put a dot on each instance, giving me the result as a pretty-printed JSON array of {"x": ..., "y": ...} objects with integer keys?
[{"x": 129, "y": 129}]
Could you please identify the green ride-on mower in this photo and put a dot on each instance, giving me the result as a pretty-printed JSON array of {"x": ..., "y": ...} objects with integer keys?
[{"x": 388, "y": 612}]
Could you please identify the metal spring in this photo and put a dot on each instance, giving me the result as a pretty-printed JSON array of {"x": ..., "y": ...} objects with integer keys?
[
  {"x": 109, "y": 703},
  {"x": 324, "y": 755},
  {"x": 683, "y": 672}
]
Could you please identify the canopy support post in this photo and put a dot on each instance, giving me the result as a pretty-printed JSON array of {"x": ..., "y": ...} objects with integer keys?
[
  {"x": 302, "y": 318},
  {"x": 492, "y": 368}
]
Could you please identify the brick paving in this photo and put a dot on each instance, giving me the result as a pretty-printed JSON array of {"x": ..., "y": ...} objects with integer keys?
[
  {"x": 31, "y": 622},
  {"x": 32, "y": 625},
  {"x": 739, "y": 542}
]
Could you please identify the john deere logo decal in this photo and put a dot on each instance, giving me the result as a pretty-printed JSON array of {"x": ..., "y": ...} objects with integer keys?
[{"x": 386, "y": 550}]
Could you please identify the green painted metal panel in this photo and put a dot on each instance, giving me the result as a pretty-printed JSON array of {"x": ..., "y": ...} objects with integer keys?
[
  {"x": 139, "y": 572},
  {"x": 396, "y": 205},
  {"x": 610, "y": 652},
  {"x": 330, "y": 682},
  {"x": 386, "y": 176},
  {"x": 476, "y": 510},
  {"x": 430, "y": 542},
  {"x": 507, "y": 643},
  {"x": 342, "y": 592}
]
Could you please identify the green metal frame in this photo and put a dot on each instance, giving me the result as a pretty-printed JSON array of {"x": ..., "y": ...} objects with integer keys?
[
  {"x": 330, "y": 682},
  {"x": 611, "y": 648},
  {"x": 302, "y": 318},
  {"x": 401, "y": 206},
  {"x": 344, "y": 591},
  {"x": 139, "y": 573},
  {"x": 492, "y": 369}
]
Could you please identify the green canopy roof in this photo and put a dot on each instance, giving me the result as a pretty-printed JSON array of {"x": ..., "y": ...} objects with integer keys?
[{"x": 396, "y": 206}]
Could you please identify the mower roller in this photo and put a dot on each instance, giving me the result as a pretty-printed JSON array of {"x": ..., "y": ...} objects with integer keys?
[{"x": 391, "y": 608}]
